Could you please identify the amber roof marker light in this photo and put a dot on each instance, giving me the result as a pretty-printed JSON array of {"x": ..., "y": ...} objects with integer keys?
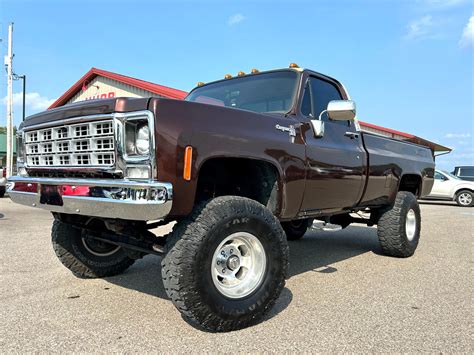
[
  {"x": 240, "y": 73},
  {"x": 227, "y": 76},
  {"x": 294, "y": 65},
  {"x": 200, "y": 83},
  {"x": 255, "y": 71}
]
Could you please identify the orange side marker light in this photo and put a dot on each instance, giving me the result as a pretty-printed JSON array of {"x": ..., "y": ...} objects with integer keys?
[{"x": 188, "y": 159}]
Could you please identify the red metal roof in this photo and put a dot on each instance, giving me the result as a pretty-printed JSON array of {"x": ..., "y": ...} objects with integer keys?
[
  {"x": 388, "y": 130},
  {"x": 145, "y": 85},
  {"x": 409, "y": 137}
]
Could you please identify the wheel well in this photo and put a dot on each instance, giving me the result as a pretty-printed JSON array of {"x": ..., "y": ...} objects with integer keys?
[
  {"x": 462, "y": 189},
  {"x": 411, "y": 183},
  {"x": 255, "y": 179}
]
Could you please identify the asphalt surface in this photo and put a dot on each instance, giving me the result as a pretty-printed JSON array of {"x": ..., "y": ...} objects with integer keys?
[{"x": 342, "y": 296}]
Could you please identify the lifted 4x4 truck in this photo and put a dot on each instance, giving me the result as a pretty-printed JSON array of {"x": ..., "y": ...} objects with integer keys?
[{"x": 241, "y": 165}]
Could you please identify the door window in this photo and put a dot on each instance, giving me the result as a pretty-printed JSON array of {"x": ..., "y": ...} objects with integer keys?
[
  {"x": 322, "y": 92},
  {"x": 439, "y": 176},
  {"x": 316, "y": 97},
  {"x": 466, "y": 172},
  {"x": 306, "y": 108}
]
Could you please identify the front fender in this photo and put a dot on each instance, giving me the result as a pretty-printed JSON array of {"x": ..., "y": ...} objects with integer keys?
[{"x": 215, "y": 131}]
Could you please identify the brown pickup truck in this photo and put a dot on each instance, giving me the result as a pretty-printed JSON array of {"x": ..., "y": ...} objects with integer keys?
[{"x": 241, "y": 165}]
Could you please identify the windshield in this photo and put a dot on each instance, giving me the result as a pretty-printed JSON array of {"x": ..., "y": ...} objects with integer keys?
[{"x": 267, "y": 92}]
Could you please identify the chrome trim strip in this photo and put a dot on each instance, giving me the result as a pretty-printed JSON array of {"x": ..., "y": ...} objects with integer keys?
[
  {"x": 122, "y": 160},
  {"x": 66, "y": 121},
  {"x": 91, "y": 182},
  {"x": 130, "y": 208}
]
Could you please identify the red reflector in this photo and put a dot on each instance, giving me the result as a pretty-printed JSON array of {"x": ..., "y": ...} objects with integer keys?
[
  {"x": 68, "y": 190},
  {"x": 25, "y": 187}
]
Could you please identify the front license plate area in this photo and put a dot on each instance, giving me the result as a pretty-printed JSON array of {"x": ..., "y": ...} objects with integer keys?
[{"x": 51, "y": 195}]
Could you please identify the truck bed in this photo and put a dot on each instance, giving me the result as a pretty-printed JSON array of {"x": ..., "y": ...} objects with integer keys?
[{"x": 387, "y": 159}]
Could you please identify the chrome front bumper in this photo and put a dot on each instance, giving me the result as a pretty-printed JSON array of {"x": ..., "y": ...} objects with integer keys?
[{"x": 106, "y": 198}]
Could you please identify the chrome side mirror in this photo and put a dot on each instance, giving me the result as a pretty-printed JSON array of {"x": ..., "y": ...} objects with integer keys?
[
  {"x": 341, "y": 110},
  {"x": 318, "y": 128}
]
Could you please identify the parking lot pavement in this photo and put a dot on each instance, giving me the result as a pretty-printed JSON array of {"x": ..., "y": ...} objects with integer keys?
[{"x": 342, "y": 296}]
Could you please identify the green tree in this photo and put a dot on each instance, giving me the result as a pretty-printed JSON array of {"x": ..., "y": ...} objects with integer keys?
[{"x": 3, "y": 130}]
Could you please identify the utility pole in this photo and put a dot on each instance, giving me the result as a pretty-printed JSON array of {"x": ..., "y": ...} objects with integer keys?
[{"x": 8, "y": 63}]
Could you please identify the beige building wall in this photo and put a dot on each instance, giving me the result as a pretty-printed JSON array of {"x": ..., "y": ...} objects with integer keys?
[{"x": 103, "y": 88}]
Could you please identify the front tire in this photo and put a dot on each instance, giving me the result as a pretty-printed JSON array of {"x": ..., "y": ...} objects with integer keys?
[
  {"x": 227, "y": 263},
  {"x": 464, "y": 198},
  {"x": 399, "y": 226},
  {"x": 86, "y": 257}
]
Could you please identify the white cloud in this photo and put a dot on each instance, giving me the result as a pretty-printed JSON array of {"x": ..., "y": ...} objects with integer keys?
[
  {"x": 420, "y": 28},
  {"x": 457, "y": 135},
  {"x": 467, "y": 37},
  {"x": 33, "y": 100},
  {"x": 235, "y": 19}
]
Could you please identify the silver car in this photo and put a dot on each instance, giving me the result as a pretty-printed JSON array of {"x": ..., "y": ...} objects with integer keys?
[{"x": 449, "y": 187}]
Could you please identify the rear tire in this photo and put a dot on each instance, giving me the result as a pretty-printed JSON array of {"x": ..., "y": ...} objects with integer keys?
[
  {"x": 399, "y": 226},
  {"x": 227, "y": 263},
  {"x": 464, "y": 198},
  {"x": 85, "y": 257},
  {"x": 296, "y": 229}
]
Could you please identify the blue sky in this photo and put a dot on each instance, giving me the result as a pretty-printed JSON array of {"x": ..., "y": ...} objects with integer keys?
[{"x": 407, "y": 64}]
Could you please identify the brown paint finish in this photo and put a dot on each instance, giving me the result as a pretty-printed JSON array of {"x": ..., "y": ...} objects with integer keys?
[
  {"x": 336, "y": 163},
  {"x": 317, "y": 176},
  {"x": 389, "y": 161},
  {"x": 219, "y": 132}
]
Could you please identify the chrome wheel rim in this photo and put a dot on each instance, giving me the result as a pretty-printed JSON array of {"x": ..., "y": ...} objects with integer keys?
[
  {"x": 465, "y": 199},
  {"x": 99, "y": 248},
  {"x": 410, "y": 225},
  {"x": 238, "y": 265}
]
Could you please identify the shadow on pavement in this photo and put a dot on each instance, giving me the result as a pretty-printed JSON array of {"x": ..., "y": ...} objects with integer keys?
[{"x": 316, "y": 252}]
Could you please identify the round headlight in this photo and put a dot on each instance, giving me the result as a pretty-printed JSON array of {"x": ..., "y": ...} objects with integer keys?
[{"x": 142, "y": 142}]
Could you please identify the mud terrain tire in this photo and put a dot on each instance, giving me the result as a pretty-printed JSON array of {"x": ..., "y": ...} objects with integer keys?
[
  {"x": 189, "y": 267},
  {"x": 84, "y": 257},
  {"x": 399, "y": 226}
]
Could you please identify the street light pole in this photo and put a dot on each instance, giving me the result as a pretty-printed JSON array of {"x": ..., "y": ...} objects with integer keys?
[
  {"x": 24, "y": 95},
  {"x": 23, "y": 78}
]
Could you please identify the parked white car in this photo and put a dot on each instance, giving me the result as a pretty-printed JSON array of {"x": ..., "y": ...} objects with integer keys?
[{"x": 449, "y": 187}]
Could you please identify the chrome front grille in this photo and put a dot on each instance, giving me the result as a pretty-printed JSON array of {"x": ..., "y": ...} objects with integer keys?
[{"x": 88, "y": 144}]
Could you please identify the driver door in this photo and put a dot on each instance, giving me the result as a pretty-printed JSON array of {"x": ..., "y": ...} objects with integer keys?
[{"x": 336, "y": 162}]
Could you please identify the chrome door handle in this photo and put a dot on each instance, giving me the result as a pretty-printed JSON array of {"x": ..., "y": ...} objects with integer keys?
[{"x": 352, "y": 135}]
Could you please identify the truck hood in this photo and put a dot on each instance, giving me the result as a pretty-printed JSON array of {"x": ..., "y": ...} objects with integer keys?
[
  {"x": 87, "y": 108},
  {"x": 127, "y": 104}
]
